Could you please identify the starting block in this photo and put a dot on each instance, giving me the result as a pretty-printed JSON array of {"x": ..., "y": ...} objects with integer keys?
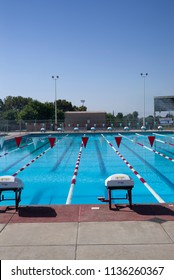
[
  {"x": 11, "y": 184},
  {"x": 118, "y": 182}
]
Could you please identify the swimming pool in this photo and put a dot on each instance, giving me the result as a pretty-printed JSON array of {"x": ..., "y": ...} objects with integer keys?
[{"x": 69, "y": 173}]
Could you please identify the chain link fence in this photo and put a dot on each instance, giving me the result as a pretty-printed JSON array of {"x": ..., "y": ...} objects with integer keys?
[{"x": 49, "y": 125}]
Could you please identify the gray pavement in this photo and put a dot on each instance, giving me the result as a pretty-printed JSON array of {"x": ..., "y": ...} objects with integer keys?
[{"x": 87, "y": 240}]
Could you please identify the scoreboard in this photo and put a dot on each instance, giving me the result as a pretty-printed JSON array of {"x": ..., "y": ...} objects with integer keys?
[{"x": 163, "y": 103}]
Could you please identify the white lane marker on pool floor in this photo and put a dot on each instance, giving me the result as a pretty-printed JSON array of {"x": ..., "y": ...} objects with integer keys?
[
  {"x": 73, "y": 181},
  {"x": 157, "y": 197}
]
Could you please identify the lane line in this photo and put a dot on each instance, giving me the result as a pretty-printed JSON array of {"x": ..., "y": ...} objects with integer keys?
[
  {"x": 164, "y": 142},
  {"x": 22, "y": 158},
  {"x": 73, "y": 180},
  {"x": 34, "y": 159},
  {"x": 162, "y": 135},
  {"x": 147, "y": 148},
  {"x": 15, "y": 150},
  {"x": 62, "y": 156},
  {"x": 100, "y": 159},
  {"x": 157, "y": 197},
  {"x": 165, "y": 179},
  {"x": 18, "y": 148}
]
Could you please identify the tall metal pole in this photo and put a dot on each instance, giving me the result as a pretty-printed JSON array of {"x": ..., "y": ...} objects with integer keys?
[
  {"x": 55, "y": 79},
  {"x": 144, "y": 75}
]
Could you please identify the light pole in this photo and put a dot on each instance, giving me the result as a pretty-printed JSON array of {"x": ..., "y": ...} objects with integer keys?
[
  {"x": 144, "y": 75},
  {"x": 83, "y": 102},
  {"x": 55, "y": 79}
]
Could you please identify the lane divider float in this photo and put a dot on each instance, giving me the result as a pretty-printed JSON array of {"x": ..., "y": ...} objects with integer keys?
[
  {"x": 34, "y": 159},
  {"x": 161, "y": 141},
  {"x": 157, "y": 197},
  {"x": 162, "y": 135},
  {"x": 18, "y": 141},
  {"x": 19, "y": 148},
  {"x": 73, "y": 180},
  {"x": 152, "y": 150},
  {"x": 150, "y": 137}
]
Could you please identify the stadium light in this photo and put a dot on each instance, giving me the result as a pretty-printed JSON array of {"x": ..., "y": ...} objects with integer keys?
[
  {"x": 144, "y": 75},
  {"x": 55, "y": 79}
]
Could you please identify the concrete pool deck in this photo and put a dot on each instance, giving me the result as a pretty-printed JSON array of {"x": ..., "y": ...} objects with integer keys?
[{"x": 87, "y": 232}]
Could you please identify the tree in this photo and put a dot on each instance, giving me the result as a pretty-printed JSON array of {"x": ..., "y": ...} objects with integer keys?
[
  {"x": 128, "y": 117},
  {"x": 110, "y": 118},
  {"x": 28, "y": 113},
  {"x": 9, "y": 115},
  {"x": 60, "y": 115},
  {"x": 135, "y": 115},
  {"x": 1, "y": 104},
  {"x": 1, "y": 108},
  {"x": 119, "y": 116},
  {"x": 64, "y": 105},
  {"x": 49, "y": 110},
  {"x": 82, "y": 108},
  {"x": 15, "y": 103}
]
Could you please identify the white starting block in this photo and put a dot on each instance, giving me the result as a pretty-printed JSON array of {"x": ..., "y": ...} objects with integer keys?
[
  {"x": 118, "y": 182},
  {"x": 11, "y": 183}
]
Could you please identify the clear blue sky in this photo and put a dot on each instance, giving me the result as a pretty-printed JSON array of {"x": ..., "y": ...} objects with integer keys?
[{"x": 97, "y": 47}]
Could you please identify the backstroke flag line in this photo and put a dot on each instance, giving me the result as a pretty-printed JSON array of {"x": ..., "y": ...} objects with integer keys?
[
  {"x": 85, "y": 140},
  {"x": 151, "y": 140},
  {"x": 118, "y": 140},
  {"x": 18, "y": 140},
  {"x": 52, "y": 140}
]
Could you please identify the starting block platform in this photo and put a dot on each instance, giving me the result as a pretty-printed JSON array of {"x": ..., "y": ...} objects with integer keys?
[
  {"x": 118, "y": 182},
  {"x": 11, "y": 184}
]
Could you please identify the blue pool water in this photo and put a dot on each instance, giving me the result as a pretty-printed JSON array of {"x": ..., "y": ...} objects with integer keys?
[{"x": 48, "y": 179}]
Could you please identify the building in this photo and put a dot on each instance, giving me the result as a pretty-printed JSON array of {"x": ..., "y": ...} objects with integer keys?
[{"x": 83, "y": 119}]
